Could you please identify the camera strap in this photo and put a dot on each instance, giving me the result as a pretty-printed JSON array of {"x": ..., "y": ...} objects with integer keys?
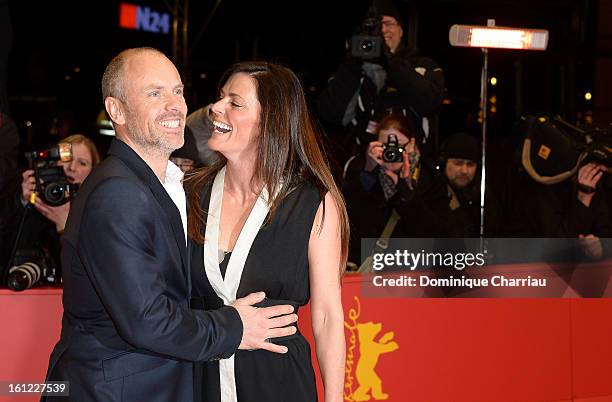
[
  {"x": 382, "y": 243},
  {"x": 27, "y": 208},
  {"x": 526, "y": 160}
]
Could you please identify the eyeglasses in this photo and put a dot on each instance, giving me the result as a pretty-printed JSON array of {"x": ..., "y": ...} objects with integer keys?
[{"x": 389, "y": 24}]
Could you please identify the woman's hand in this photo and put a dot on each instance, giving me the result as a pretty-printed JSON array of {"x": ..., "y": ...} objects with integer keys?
[
  {"x": 374, "y": 155},
  {"x": 28, "y": 185},
  {"x": 57, "y": 215}
]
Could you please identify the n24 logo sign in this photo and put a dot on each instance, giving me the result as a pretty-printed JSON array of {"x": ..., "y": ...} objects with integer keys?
[{"x": 132, "y": 16}]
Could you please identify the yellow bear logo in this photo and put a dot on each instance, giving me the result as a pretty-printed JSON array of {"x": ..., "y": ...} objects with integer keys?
[{"x": 370, "y": 350}]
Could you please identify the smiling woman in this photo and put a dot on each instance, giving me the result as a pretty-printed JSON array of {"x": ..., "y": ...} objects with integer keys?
[
  {"x": 236, "y": 118},
  {"x": 274, "y": 221}
]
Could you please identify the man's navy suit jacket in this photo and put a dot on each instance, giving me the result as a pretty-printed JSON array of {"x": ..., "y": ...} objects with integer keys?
[{"x": 127, "y": 331}]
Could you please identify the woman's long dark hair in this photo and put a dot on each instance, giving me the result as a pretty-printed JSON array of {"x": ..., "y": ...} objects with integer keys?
[{"x": 288, "y": 148}]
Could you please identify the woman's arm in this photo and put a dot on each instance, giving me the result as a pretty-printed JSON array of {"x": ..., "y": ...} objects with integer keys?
[{"x": 326, "y": 303}]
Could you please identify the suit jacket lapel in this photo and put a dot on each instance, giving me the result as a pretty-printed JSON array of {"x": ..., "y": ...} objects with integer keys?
[
  {"x": 173, "y": 215},
  {"x": 146, "y": 174}
]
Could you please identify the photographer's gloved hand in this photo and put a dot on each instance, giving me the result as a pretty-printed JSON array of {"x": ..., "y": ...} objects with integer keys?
[
  {"x": 28, "y": 185},
  {"x": 406, "y": 171},
  {"x": 57, "y": 215},
  {"x": 588, "y": 177}
]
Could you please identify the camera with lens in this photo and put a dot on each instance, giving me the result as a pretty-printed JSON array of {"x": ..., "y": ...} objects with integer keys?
[
  {"x": 553, "y": 150},
  {"x": 392, "y": 150},
  {"x": 599, "y": 146},
  {"x": 52, "y": 185},
  {"x": 367, "y": 41},
  {"x": 31, "y": 267}
]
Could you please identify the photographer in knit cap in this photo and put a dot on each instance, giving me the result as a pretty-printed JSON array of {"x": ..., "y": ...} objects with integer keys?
[
  {"x": 460, "y": 163},
  {"x": 366, "y": 88},
  {"x": 460, "y": 154}
]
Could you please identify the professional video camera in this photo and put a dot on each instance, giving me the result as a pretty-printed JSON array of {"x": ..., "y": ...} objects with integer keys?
[
  {"x": 392, "y": 150},
  {"x": 51, "y": 182},
  {"x": 31, "y": 267},
  {"x": 554, "y": 150},
  {"x": 367, "y": 42}
]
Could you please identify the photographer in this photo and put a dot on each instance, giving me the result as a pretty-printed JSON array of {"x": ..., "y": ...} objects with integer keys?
[
  {"x": 379, "y": 182},
  {"x": 84, "y": 157},
  {"x": 459, "y": 161},
  {"x": 574, "y": 208},
  {"x": 42, "y": 223},
  {"x": 364, "y": 90},
  {"x": 589, "y": 177}
]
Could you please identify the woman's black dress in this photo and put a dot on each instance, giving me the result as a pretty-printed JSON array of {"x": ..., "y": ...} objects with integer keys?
[{"x": 277, "y": 263}]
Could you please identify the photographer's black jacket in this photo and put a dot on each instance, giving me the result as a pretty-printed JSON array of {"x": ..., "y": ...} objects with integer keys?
[
  {"x": 37, "y": 234},
  {"x": 554, "y": 211},
  {"x": 414, "y": 84},
  {"x": 369, "y": 211}
]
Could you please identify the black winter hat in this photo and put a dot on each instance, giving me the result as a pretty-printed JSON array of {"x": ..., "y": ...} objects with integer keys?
[
  {"x": 460, "y": 146},
  {"x": 388, "y": 8}
]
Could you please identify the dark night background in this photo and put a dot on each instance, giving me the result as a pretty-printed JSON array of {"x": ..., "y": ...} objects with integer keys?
[{"x": 60, "y": 49}]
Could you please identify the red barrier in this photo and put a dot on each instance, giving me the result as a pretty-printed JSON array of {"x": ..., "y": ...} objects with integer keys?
[
  {"x": 476, "y": 349},
  {"x": 410, "y": 349},
  {"x": 31, "y": 325}
]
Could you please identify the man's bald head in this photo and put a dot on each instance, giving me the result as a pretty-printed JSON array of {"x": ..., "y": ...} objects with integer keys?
[{"x": 112, "y": 80}]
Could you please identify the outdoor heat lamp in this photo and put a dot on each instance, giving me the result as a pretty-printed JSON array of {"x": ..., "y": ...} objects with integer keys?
[
  {"x": 498, "y": 37},
  {"x": 493, "y": 37}
]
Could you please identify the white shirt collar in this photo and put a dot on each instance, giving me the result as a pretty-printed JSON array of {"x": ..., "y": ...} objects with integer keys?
[
  {"x": 174, "y": 174},
  {"x": 174, "y": 187}
]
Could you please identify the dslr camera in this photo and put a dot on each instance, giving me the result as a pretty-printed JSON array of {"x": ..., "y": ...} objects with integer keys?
[
  {"x": 368, "y": 41},
  {"x": 31, "y": 267},
  {"x": 52, "y": 185},
  {"x": 392, "y": 150}
]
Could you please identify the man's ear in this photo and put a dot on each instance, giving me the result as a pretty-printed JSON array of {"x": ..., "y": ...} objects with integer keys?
[{"x": 115, "y": 110}]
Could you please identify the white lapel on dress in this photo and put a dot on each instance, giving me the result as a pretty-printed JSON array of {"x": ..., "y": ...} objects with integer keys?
[
  {"x": 227, "y": 289},
  {"x": 211, "y": 236},
  {"x": 243, "y": 245}
]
